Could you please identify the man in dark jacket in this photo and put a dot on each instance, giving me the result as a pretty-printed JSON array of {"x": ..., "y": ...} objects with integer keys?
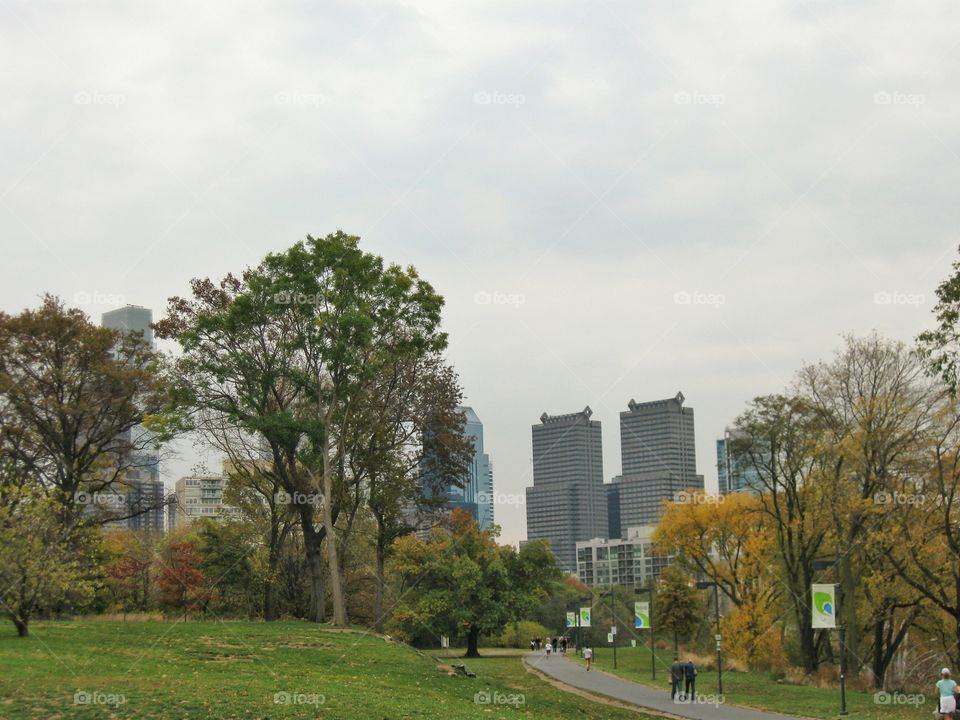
[
  {"x": 676, "y": 677},
  {"x": 690, "y": 675}
]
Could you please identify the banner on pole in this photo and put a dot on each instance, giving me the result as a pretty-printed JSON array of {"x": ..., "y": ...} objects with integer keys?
[
  {"x": 609, "y": 637},
  {"x": 824, "y": 606},
  {"x": 571, "y": 619},
  {"x": 584, "y": 617},
  {"x": 641, "y": 615}
]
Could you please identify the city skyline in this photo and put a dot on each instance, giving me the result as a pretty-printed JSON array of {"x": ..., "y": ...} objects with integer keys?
[{"x": 614, "y": 204}]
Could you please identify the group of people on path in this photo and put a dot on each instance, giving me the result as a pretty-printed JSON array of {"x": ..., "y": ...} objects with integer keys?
[
  {"x": 557, "y": 645},
  {"x": 683, "y": 675}
]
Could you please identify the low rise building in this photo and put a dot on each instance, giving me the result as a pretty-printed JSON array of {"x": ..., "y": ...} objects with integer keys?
[{"x": 631, "y": 560}]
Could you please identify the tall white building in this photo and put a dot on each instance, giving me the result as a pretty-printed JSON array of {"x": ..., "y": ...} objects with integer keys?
[{"x": 200, "y": 496}]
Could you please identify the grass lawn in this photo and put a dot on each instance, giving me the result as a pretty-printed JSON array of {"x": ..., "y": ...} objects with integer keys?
[
  {"x": 759, "y": 690},
  {"x": 258, "y": 670}
]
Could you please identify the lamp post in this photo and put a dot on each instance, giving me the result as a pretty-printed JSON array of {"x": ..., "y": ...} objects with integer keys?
[
  {"x": 613, "y": 618},
  {"x": 653, "y": 656},
  {"x": 702, "y": 585},
  {"x": 826, "y": 564}
]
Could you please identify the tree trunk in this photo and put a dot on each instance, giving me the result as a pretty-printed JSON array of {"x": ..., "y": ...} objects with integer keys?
[
  {"x": 381, "y": 582},
  {"x": 21, "y": 625},
  {"x": 311, "y": 543},
  {"x": 473, "y": 639},
  {"x": 336, "y": 585},
  {"x": 273, "y": 559}
]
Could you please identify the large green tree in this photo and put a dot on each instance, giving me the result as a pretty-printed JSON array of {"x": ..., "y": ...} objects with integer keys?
[
  {"x": 286, "y": 353},
  {"x": 73, "y": 396},
  {"x": 461, "y": 583}
]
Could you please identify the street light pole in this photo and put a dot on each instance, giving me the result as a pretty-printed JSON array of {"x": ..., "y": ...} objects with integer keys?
[
  {"x": 826, "y": 564},
  {"x": 716, "y": 605},
  {"x": 653, "y": 655},
  {"x": 843, "y": 653}
]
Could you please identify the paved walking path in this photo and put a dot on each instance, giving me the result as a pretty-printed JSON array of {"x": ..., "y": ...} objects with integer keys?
[{"x": 601, "y": 683}]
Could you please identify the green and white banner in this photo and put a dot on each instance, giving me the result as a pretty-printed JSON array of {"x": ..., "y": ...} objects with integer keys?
[
  {"x": 571, "y": 619},
  {"x": 641, "y": 615},
  {"x": 824, "y": 606},
  {"x": 584, "y": 617}
]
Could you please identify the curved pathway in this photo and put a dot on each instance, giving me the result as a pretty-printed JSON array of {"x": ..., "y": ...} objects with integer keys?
[{"x": 601, "y": 683}]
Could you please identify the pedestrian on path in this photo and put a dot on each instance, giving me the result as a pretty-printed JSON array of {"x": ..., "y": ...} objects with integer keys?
[
  {"x": 548, "y": 648},
  {"x": 676, "y": 677},
  {"x": 588, "y": 656},
  {"x": 563, "y": 645},
  {"x": 690, "y": 677},
  {"x": 948, "y": 689}
]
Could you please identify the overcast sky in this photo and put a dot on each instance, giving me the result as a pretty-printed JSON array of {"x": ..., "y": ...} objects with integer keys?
[{"x": 617, "y": 199}]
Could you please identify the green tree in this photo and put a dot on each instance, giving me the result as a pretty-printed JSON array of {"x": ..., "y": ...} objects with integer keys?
[
  {"x": 940, "y": 347},
  {"x": 286, "y": 353},
  {"x": 225, "y": 549},
  {"x": 41, "y": 560},
  {"x": 462, "y": 583},
  {"x": 679, "y": 607}
]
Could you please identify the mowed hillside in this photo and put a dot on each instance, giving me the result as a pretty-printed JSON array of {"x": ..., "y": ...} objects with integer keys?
[{"x": 101, "y": 669}]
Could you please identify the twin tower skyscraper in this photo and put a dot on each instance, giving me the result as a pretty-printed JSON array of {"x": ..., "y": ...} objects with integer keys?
[{"x": 569, "y": 500}]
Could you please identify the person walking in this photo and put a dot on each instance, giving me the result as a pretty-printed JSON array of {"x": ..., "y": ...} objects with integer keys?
[
  {"x": 563, "y": 645},
  {"x": 588, "y": 656},
  {"x": 948, "y": 689},
  {"x": 548, "y": 647},
  {"x": 676, "y": 677},
  {"x": 690, "y": 678}
]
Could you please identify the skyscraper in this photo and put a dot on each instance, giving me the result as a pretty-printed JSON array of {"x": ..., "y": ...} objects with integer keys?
[
  {"x": 143, "y": 486},
  {"x": 476, "y": 496},
  {"x": 658, "y": 456},
  {"x": 567, "y": 501},
  {"x": 735, "y": 474}
]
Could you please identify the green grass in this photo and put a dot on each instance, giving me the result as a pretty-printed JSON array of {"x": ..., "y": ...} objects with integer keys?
[
  {"x": 757, "y": 689},
  {"x": 233, "y": 670}
]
